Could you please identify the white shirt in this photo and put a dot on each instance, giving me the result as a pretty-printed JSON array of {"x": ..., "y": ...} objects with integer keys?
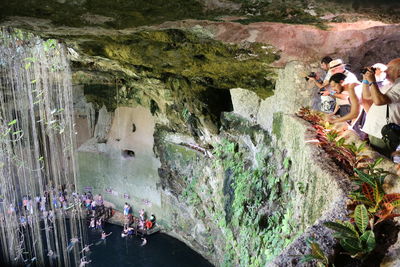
[
  {"x": 376, "y": 116},
  {"x": 350, "y": 78}
]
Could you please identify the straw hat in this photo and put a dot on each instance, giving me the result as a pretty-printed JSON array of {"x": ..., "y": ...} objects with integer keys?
[{"x": 335, "y": 63}]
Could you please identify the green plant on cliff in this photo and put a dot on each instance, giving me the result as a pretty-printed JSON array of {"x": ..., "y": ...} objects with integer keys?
[
  {"x": 259, "y": 236},
  {"x": 380, "y": 205},
  {"x": 316, "y": 254},
  {"x": 355, "y": 238}
]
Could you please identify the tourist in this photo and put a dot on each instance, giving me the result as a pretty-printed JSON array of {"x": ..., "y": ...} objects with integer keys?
[
  {"x": 88, "y": 203},
  {"x": 86, "y": 249},
  {"x": 83, "y": 262},
  {"x": 51, "y": 254},
  {"x": 104, "y": 235},
  {"x": 126, "y": 209},
  {"x": 148, "y": 225},
  {"x": 144, "y": 242},
  {"x": 92, "y": 223},
  {"x": 93, "y": 207},
  {"x": 347, "y": 103},
  {"x": 153, "y": 219},
  {"x": 100, "y": 201},
  {"x": 72, "y": 242},
  {"x": 389, "y": 96},
  {"x": 99, "y": 224},
  {"x": 141, "y": 225},
  {"x": 327, "y": 102},
  {"x": 141, "y": 215}
]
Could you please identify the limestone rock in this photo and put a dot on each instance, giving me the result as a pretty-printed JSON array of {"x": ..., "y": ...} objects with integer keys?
[
  {"x": 103, "y": 125},
  {"x": 245, "y": 103}
]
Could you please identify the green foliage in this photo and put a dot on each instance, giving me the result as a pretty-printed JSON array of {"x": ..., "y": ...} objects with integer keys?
[
  {"x": 9, "y": 131},
  {"x": 190, "y": 195},
  {"x": 253, "y": 189},
  {"x": 186, "y": 115},
  {"x": 361, "y": 218},
  {"x": 49, "y": 44},
  {"x": 355, "y": 239},
  {"x": 316, "y": 254},
  {"x": 379, "y": 205}
]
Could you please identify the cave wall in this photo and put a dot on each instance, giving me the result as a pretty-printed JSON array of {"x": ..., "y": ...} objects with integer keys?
[
  {"x": 119, "y": 162},
  {"x": 242, "y": 188}
]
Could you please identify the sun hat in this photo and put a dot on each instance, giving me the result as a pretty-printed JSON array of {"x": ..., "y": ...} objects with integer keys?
[
  {"x": 335, "y": 63},
  {"x": 380, "y": 66}
]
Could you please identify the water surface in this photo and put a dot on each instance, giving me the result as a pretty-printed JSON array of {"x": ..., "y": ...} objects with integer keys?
[{"x": 160, "y": 250}]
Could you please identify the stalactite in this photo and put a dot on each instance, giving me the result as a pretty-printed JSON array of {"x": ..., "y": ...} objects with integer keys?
[{"x": 37, "y": 156}]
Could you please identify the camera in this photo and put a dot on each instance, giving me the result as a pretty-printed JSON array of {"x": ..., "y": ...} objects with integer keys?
[
  {"x": 364, "y": 70},
  {"x": 311, "y": 75}
]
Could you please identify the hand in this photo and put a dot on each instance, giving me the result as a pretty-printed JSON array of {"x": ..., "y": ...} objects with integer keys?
[
  {"x": 331, "y": 119},
  {"x": 325, "y": 93},
  {"x": 369, "y": 76}
]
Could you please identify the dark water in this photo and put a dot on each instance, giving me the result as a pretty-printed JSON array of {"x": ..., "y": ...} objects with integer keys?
[{"x": 160, "y": 250}]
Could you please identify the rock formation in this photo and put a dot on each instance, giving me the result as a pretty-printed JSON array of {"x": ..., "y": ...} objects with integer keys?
[{"x": 186, "y": 110}]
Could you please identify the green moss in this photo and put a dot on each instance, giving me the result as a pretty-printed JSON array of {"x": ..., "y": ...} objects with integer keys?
[
  {"x": 124, "y": 13},
  {"x": 199, "y": 61},
  {"x": 101, "y": 94},
  {"x": 277, "y": 124}
]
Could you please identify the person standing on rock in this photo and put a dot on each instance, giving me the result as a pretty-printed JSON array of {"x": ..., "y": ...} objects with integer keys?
[{"x": 387, "y": 96}]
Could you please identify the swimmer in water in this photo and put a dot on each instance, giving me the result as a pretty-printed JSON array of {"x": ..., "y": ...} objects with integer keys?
[
  {"x": 72, "y": 243},
  {"x": 104, "y": 235},
  {"x": 144, "y": 242},
  {"x": 51, "y": 254},
  {"x": 86, "y": 249},
  {"x": 84, "y": 262}
]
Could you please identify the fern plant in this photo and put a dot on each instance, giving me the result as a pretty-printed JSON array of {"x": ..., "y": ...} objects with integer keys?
[{"x": 355, "y": 238}]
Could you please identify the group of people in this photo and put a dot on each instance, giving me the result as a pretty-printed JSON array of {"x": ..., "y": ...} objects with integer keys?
[
  {"x": 44, "y": 205},
  {"x": 365, "y": 106},
  {"x": 138, "y": 225}
]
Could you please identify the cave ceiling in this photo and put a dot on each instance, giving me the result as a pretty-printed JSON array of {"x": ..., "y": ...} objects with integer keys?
[{"x": 204, "y": 44}]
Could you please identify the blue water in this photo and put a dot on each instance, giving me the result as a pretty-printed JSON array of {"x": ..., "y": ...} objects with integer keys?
[{"x": 160, "y": 250}]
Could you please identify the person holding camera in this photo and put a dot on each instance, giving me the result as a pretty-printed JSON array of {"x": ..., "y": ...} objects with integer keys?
[
  {"x": 327, "y": 101},
  {"x": 380, "y": 77},
  {"x": 387, "y": 96}
]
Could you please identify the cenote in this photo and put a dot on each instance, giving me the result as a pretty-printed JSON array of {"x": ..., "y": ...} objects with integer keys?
[
  {"x": 160, "y": 250},
  {"x": 207, "y": 117}
]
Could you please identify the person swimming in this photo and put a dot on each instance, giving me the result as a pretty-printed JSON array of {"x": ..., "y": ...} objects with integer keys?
[
  {"x": 144, "y": 242},
  {"x": 83, "y": 262},
  {"x": 72, "y": 243},
  {"x": 104, "y": 235},
  {"x": 86, "y": 249},
  {"x": 103, "y": 238}
]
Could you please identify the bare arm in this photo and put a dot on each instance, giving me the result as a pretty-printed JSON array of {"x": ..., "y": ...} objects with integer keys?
[
  {"x": 336, "y": 109},
  {"x": 366, "y": 93},
  {"x": 355, "y": 107},
  {"x": 378, "y": 98},
  {"x": 318, "y": 84}
]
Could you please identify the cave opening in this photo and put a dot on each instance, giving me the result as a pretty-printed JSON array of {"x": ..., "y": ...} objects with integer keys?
[{"x": 128, "y": 154}]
